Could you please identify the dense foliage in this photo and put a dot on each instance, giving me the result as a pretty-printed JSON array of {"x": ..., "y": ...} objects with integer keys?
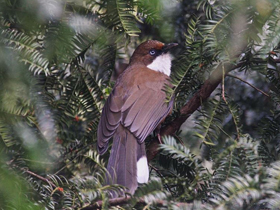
[{"x": 58, "y": 64}]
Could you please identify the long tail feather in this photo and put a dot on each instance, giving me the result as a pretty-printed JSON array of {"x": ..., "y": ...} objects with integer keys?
[{"x": 122, "y": 165}]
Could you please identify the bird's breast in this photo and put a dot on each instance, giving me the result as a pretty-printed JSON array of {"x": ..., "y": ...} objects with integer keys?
[{"x": 142, "y": 76}]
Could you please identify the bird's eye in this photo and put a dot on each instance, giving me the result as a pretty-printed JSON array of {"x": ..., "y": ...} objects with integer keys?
[{"x": 153, "y": 52}]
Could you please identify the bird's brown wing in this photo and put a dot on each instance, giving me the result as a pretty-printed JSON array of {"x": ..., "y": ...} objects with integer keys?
[{"x": 144, "y": 110}]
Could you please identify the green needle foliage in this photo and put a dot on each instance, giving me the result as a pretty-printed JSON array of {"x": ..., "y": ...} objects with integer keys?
[{"x": 58, "y": 64}]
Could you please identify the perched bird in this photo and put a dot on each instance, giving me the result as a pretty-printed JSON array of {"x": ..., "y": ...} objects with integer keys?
[{"x": 135, "y": 107}]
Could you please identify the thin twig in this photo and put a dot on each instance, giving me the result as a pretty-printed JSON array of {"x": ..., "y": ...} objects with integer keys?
[
  {"x": 179, "y": 139},
  {"x": 32, "y": 173},
  {"x": 264, "y": 93},
  {"x": 223, "y": 87},
  {"x": 39, "y": 177}
]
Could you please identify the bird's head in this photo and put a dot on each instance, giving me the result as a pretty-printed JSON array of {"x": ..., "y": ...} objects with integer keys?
[{"x": 154, "y": 55}]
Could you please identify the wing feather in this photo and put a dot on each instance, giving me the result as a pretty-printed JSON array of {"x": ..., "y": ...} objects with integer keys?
[
  {"x": 109, "y": 121},
  {"x": 144, "y": 117}
]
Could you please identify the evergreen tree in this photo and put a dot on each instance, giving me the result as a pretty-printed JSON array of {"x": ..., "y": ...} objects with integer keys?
[{"x": 58, "y": 64}]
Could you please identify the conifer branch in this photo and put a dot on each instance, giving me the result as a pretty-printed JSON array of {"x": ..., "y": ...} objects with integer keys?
[
  {"x": 193, "y": 104},
  {"x": 124, "y": 200}
]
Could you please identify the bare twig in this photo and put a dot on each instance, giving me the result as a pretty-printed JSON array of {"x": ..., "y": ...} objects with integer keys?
[
  {"x": 55, "y": 188},
  {"x": 259, "y": 90},
  {"x": 32, "y": 174},
  {"x": 223, "y": 87},
  {"x": 39, "y": 177}
]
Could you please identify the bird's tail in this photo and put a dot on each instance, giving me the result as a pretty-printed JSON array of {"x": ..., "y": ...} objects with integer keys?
[{"x": 127, "y": 163}]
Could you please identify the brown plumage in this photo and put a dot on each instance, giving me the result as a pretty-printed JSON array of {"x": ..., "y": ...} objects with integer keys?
[{"x": 133, "y": 110}]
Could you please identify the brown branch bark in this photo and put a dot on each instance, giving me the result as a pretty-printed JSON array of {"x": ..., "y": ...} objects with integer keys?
[{"x": 193, "y": 104}]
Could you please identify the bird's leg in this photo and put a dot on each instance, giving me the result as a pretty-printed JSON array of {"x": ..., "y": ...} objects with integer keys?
[
  {"x": 157, "y": 132},
  {"x": 159, "y": 138}
]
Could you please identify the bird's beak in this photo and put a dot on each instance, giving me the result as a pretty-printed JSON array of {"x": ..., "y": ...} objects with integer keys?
[{"x": 167, "y": 47}]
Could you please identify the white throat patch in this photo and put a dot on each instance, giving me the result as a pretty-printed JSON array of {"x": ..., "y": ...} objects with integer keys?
[{"x": 162, "y": 63}]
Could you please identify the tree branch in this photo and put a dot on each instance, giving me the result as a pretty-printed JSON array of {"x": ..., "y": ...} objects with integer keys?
[
  {"x": 193, "y": 104},
  {"x": 124, "y": 200},
  {"x": 39, "y": 177}
]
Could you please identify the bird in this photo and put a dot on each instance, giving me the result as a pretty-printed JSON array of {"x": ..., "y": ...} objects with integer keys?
[{"x": 135, "y": 108}]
